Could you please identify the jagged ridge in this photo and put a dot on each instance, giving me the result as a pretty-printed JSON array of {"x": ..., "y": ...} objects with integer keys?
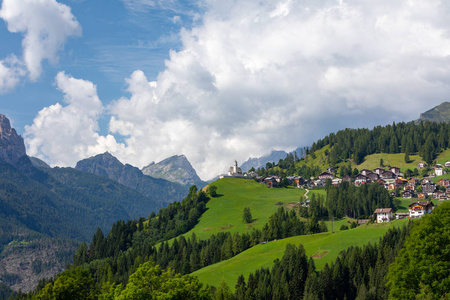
[{"x": 176, "y": 168}]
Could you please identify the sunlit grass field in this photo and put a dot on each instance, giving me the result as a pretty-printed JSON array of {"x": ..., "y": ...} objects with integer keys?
[
  {"x": 264, "y": 255},
  {"x": 225, "y": 212}
]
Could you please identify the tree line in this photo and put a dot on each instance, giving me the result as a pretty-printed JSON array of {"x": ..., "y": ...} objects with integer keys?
[
  {"x": 183, "y": 255},
  {"x": 347, "y": 200},
  {"x": 358, "y": 273},
  {"x": 426, "y": 138}
]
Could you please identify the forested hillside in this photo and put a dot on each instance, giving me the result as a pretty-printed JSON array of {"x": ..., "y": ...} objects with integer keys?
[
  {"x": 346, "y": 150},
  {"x": 426, "y": 138},
  {"x": 59, "y": 203}
]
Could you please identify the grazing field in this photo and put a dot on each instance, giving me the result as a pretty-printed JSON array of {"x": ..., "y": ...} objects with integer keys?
[
  {"x": 398, "y": 160},
  {"x": 263, "y": 255},
  {"x": 318, "y": 191},
  {"x": 443, "y": 157},
  {"x": 225, "y": 212}
]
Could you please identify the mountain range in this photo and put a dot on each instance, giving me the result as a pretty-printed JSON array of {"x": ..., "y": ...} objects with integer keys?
[
  {"x": 160, "y": 190},
  {"x": 46, "y": 212}
]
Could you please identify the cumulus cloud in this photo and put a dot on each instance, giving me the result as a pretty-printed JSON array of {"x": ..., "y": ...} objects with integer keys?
[
  {"x": 65, "y": 133},
  {"x": 46, "y": 25},
  {"x": 259, "y": 75}
]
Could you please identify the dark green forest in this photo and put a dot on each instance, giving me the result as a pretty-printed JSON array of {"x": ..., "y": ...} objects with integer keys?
[
  {"x": 374, "y": 271},
  {"x": 63, "y": 202}
]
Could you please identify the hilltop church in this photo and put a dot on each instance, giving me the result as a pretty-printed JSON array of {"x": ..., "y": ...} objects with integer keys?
[{"x": 235, "y": 171}]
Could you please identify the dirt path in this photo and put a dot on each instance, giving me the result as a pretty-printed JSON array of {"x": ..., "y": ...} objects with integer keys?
[{"x": 306, "y": 194}]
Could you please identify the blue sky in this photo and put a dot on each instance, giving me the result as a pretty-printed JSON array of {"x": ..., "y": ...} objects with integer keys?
[
  {"x": 214, "y": 80},
  {"x": 117, "y": 38}
]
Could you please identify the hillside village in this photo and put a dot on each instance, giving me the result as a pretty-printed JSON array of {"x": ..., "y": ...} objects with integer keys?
[{"x": 416, "y": 189}]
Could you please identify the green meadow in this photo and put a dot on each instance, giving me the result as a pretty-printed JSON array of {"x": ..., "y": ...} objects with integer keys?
[
  {"x": 373, "y": 161},
  {"x": 398, "y": 160},
  {"x": 263, "y": 255},
  {"x": 225, "y": 211},
  {"x": 443, "y": 157}
]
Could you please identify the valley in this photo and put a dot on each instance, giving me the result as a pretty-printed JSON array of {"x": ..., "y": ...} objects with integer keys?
[{"x": 293, "y": 205}]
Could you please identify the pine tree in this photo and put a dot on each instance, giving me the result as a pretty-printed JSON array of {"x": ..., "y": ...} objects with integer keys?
[{"x": 247, "y": 215}]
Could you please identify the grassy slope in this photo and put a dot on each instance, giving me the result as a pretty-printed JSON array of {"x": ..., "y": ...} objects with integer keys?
[
  {"x": 321, "y": 159},
  {"x": 398, "y": 160},
  {"x": 264, "y": 255},
  {"x": 225, "y": 212},
  {"x": 443, "y": 157}
]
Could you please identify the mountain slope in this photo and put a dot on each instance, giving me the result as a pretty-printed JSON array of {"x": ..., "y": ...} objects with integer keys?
[
  {"x": 440, "y": 113},
  {"x": 38, "y": 163},
  {"x": 45, "y": 212},
  {"x": 160, "y": 190},
  {"x": 176, "y": 168}
]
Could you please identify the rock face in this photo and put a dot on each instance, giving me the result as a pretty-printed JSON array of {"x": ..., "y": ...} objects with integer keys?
[
  {"x": 12, "y": 148},
  {"x": 440, "y": 113},
  {"x": 160, "y": 190},
  {"x": 176, "y": 169}
]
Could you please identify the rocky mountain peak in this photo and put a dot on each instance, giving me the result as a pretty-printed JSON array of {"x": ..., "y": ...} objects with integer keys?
[
  {"x": 176, "y": 168},
  {"x": 12, "y": 147}
]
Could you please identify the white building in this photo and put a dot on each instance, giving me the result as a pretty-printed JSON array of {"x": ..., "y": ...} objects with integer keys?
[
  {"x": 235, "y": 171},
  {"x": 384, "y": 214},
  {"x": 438, "y": 171}
]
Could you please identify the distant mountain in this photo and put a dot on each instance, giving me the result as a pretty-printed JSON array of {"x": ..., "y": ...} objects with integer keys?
[
  {"x": 175, "y": 169},
  {"x": 160, "y": 190},
  {"x": 256, "y": 163},
  {"x": 440, "y": 113}
]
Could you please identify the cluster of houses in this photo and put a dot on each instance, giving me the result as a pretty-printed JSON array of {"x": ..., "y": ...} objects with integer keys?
[
  {"x": 416, "y": 210},
  {"x": 393, "y": 181}
]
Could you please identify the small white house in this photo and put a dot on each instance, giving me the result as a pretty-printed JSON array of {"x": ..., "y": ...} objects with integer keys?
[
  {"x": 384, "y": 215},
  {"x": 438, "y": 171}
]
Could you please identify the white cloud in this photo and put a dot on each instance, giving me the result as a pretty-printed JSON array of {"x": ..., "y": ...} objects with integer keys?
[
  {"x": 64, "y": 134},
  {"x": 259, "y": 75},
  {"x": 45, "y": 24},
  {"x": 11, "y": 70}
]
